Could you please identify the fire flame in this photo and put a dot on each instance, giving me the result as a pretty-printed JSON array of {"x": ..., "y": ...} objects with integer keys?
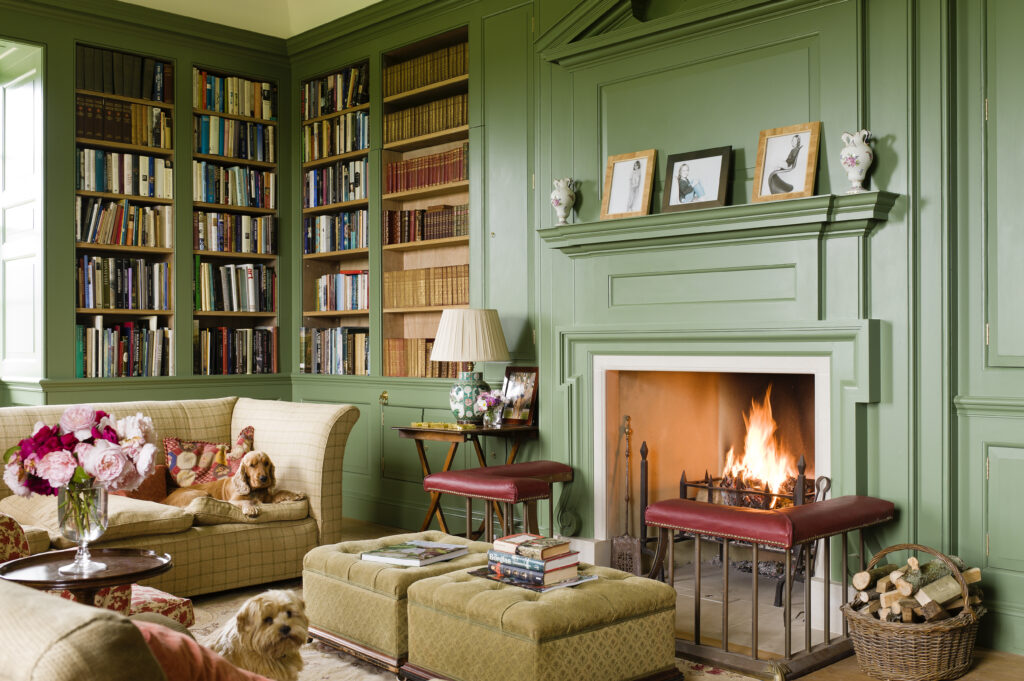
[{"x": 765, "y": 463}]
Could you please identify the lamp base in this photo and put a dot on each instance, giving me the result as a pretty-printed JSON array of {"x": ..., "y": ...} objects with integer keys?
[{"x": 464, "y": 394}]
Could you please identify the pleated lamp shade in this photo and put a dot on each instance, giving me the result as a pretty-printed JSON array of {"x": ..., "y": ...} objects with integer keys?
[{"x": 469, "y": 335}]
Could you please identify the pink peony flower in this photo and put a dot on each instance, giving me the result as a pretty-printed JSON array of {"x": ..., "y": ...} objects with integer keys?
[
  {"x": 57, "y": 467},
  {"x": 104, "y": 461},
  {"x": 78, "y": 419},
  {"x": 13, "y": 477}
]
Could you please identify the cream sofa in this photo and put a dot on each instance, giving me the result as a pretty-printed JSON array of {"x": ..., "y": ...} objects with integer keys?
[{"x": 305, "y": 441}]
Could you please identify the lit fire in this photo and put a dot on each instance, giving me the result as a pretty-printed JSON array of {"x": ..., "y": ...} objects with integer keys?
[{"x": 765, "y": 463}]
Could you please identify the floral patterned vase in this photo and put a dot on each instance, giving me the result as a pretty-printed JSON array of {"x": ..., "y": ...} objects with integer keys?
[
  {"x": 462, "y": 398},
  {"x": 856, "y": 158}
]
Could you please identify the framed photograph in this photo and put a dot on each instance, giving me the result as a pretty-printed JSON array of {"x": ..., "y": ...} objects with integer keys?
[
  {"x": 787, "y": 161},
  {"x": 627, "y": 185},
  {"x": 520, "y": 393},
  {"x": 696, "y": 179}
]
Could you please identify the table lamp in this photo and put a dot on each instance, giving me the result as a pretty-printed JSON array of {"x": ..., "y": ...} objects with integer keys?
[{"x": 469, "y": 335}]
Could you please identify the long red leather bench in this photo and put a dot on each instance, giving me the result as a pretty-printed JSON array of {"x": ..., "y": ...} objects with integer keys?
[{"x": 548, "y": 471}]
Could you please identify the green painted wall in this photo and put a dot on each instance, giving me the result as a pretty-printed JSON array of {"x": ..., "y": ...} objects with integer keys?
[{"x": 556, "y": 86}]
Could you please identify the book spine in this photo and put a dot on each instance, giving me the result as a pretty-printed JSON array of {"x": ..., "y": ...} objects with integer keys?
[
  {"x": 515, "y": 560},
  {"x": 518, "y": 573}
]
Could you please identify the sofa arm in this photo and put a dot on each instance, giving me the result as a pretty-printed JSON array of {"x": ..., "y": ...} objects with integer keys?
[{"x": 306, "y": 442}]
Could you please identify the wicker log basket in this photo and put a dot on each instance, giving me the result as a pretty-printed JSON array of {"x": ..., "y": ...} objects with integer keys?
[{"x": 929, "y": 651}]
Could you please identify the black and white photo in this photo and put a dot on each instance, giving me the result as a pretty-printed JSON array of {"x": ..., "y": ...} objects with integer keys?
[
  {"x": 627, "y": 184},
  {"x": 787, "y": 161}
]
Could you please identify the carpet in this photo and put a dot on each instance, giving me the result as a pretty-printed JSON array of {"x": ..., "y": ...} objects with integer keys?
[{"x": 326, "y": 664}]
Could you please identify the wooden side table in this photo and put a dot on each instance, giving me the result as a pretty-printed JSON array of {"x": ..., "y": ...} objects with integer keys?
[
  {"x": 124, "y": 566},
  {"x": 515, "y": 434}
]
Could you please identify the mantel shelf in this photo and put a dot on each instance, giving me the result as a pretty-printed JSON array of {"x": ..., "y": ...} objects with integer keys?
[{"x": 828, "y": 213}]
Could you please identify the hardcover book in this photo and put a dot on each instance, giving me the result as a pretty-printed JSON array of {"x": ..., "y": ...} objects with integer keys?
[
  {"x": 416, "y": 553},
  {"x": 532, "y": 545},
  {"x": 540, "y": 577},
  {"x": 486, "y": 573},
  {"x": 515, "y": 560}
]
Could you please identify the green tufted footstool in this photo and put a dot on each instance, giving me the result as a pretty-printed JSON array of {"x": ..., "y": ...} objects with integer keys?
[
  {"x": 468, "y": 628},
  {"x": 360, "y": 606}
]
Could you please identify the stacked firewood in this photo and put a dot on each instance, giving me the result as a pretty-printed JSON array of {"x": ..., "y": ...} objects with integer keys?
[{"x": 915, "y": 592}]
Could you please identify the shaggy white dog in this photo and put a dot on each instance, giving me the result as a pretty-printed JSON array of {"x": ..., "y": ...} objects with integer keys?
[{"x": 265, "y": 635}]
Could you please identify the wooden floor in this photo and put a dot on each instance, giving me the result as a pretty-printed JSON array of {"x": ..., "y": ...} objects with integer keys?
[{"x": 989, "y": 665}]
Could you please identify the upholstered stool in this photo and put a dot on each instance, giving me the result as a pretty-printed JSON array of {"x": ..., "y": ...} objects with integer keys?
[
  {"x": 491, "y": 487},
  {"x": 781, "y": 530},
  {"x": 148, "y": 599},
  {"x": 360, "y": 606},
  {"x": 470, "y": 628}
]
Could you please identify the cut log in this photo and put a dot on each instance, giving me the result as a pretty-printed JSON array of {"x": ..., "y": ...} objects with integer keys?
[
  {"x": 941, "y": 591},
  {"x": 883, "y": 613},
  {"x": 932, "y": 611},
  {"x": 913, "y": 564},
  {"x": 862, "y": 580},
  {"x": 932, "y": 571},
  {"x": 873, "y": 605},
  {"x": 895, "y": 575},
  {"x": 883, "y": 585},
  {"x": 890, "y": 597},
  {"x": 907, "y": 615},
  {"x": 903, "y": 587},
  {"x": 959, "y": 602},
  {"x": 972, "y": 575},
  {"x": 862, "y": 597}
]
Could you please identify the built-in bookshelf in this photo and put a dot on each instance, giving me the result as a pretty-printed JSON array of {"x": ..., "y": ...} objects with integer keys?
[
  {"x": 234, "y": 224},
  {"x": 425, "y": 198},
  {"x": 124, "y": 214},
  {"x": 335, "y": 334}
]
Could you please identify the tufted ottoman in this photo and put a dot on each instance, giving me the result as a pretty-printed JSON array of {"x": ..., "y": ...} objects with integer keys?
[
  {"x": 360, "y": 606},
  {"x": 468, "y": 628}
]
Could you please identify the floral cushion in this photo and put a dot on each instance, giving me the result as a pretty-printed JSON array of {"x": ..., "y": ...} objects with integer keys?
[
  {"x": 13, "y": 542},
  {"x": 116, "y": 598},
  {"x": 192, "y": 462},
  {"x": 148, "y": 599}
]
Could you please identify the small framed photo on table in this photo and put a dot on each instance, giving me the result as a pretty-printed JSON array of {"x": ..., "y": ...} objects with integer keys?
[
  {"x": 627, "y": 185},
  {"x": 787, "y": 162},
  {"x": 696, "y": 179},
  {"x": 520, "y": 394}
]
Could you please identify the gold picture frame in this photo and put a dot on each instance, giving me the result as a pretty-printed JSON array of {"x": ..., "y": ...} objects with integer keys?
[
  {"x": 789, "y": 156},
  {"x": 628, "y": 179}
]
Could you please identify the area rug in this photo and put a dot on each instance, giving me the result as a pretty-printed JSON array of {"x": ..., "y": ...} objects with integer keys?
[{"x": 326, "y": 664}]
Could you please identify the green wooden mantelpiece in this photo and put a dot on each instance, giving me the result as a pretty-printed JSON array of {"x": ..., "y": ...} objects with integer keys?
[{"x": 794, "y": 217}]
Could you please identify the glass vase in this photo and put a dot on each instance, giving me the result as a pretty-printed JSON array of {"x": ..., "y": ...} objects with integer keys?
[
  {"x": 82, "y": 514},
  {"x": 493, "y": 417}
]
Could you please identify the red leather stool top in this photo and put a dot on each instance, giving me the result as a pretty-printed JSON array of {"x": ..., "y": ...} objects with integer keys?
[
  {"x": 550, "y": 471},
  {"x": 478, "y": 485},
  {"x": 777, "y": 527}
]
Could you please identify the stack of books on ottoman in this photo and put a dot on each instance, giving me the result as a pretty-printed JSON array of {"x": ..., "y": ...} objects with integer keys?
[{"x": 533, "y": 562}]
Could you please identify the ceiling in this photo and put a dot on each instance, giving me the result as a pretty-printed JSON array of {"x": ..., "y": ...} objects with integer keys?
[{"x": 279, "y": 18}]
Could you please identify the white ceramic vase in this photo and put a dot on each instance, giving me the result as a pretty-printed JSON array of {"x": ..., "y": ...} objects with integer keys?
[
  {"x": 562, "y": 198},
  {"x": 856, "y": 158}
]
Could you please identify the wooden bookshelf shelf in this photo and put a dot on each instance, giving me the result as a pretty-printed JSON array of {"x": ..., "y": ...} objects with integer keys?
[
  {"x": 231, "y": 313},
  {"x": 235, "y": 117},
  {"x": 119, "y": 248},
  {"x": 235, "y": 255},
  {"x": 424, "y": 192},
  {"x": 335, "y": 313},
  {"x": 434, "y": 138},
  {"x": 122, "y": 98},
  {"x": 121, "y": 146},
  {"x": 128, "y": 197},
  {"x": 219, "y": 207},
  {"x": 428, "y": 243},
  {"x": 442, "y": 88},
  {"x": 357, "y": 203},
  {"x": 336, "y": 114},
  {"x": 427, "y": 308},
  {"x": 122, "y": 312},
  {"x": 328, "y": 160},
  {"x": 231, "y": 160},
  {"x": 338, "y": 255}
]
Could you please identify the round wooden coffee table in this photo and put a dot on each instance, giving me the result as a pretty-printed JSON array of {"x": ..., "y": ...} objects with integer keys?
[{"x": 124, "y": 566}]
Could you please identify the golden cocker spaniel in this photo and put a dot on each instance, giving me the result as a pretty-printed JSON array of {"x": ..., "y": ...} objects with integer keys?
[{"x": 251, "y": 485}]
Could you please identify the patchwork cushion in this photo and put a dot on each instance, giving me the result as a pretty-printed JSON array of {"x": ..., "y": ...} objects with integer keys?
[
  {"x": 127, "y": 517},
  {"x": 148, "y": 599},
  {"x": 210, "y": 511},
  {"x": 193, "y": 462}
]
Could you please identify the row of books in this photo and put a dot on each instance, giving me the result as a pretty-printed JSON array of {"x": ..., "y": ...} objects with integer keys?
[
  {"x": 341, "y": 351},
  {"x": 344, "y": 290},
  {"x": 234, "y": 185},
  {"x": 235, "y": 287},
  {"x": 103, "y": 221},
  {"x": 533, "y": 562},
  {"x": 442, "y": 114},
  {"x": 427, "y": 287},
  {"x": 128, "y": 349},
  {"x": 336, "y": 92},
  {"x": 427, "y": 171},
  {"x": 114, "y": 172},
  {"x": 128, "y": 75},
  {"x": 435, "y": 222},
  {"x": 411, "y": 357},
  {"x": 234, "y": 138},
  {"x": 234, "y": 233},
  {"x": 222, "y": 350},
  {"x": 110, "y": 283},
  {"x": 336, "y": 183},
  {"x": 234, "y": 95},
  {"x": 333, "y": 136},
  {"x": 124, "y": 122},
  {"x": 425, "y": 69},
  {"x": 330, "y": 233}
]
